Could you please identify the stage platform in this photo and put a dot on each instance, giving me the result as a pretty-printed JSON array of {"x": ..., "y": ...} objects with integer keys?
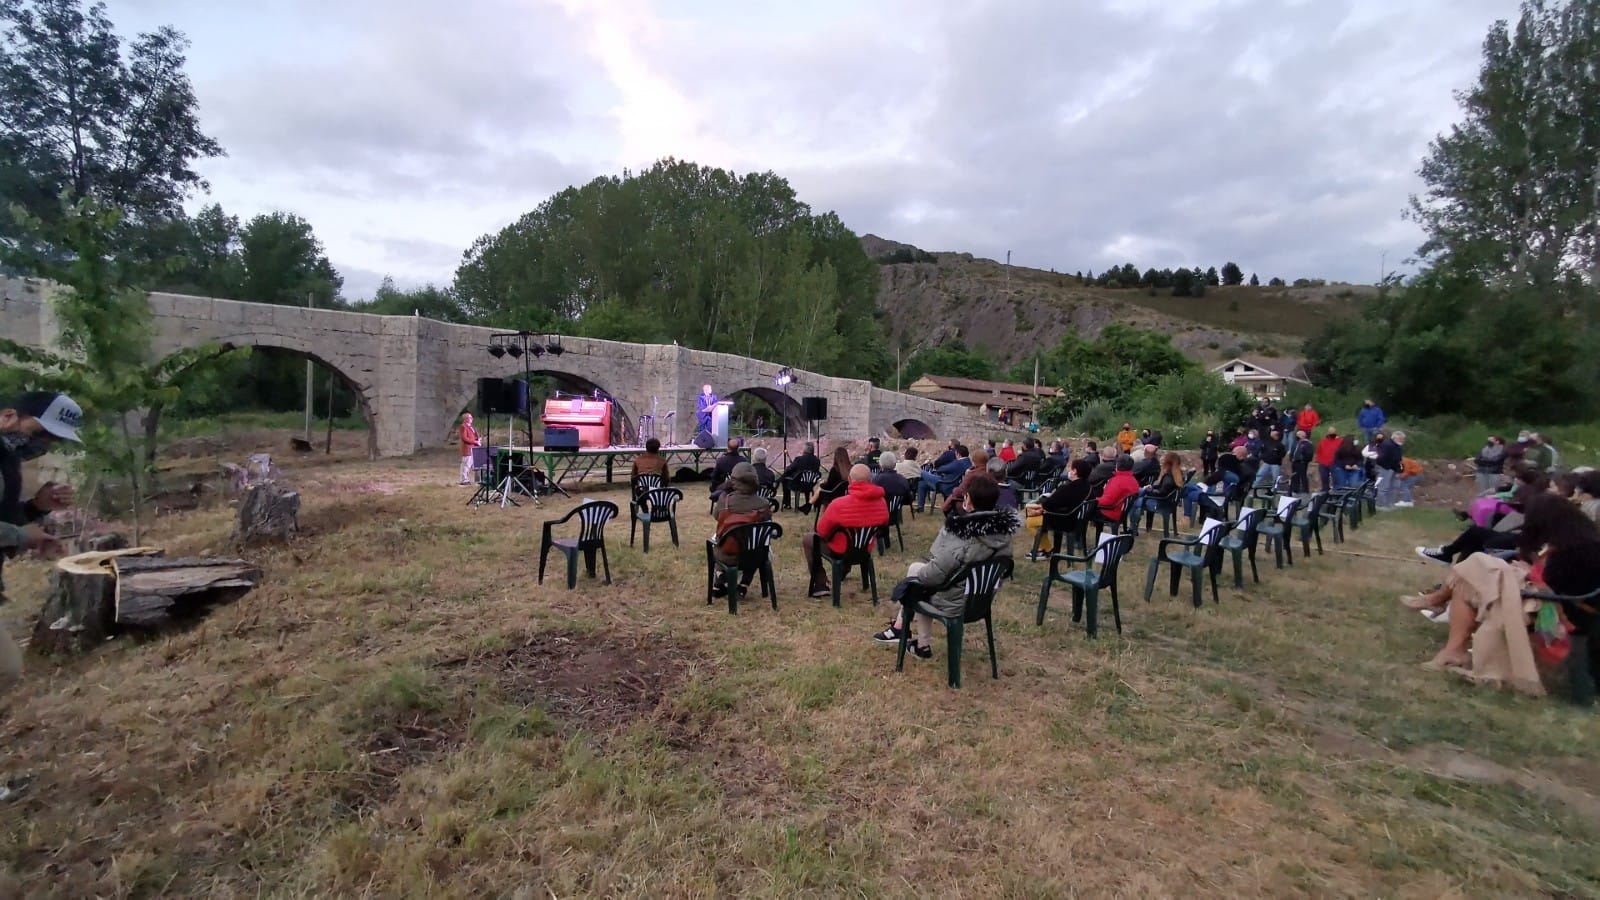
[{"x": 559, "y": 465}]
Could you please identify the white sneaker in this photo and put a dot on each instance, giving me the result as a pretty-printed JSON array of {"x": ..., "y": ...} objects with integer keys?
[{"x": 1404, "y": 504}]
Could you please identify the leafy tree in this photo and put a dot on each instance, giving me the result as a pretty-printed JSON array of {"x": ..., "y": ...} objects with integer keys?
[
  {"x": 952, "y": 359},
  {"x": 1210, "y": 277},
  {"x": 1443, "y": 344},
  {"x": 1114, "y": 367},
  {"x": 1276, "y": 282},
  {"x": 80, "y": 113},
  {"x": 429, "y": 302},
  {"x": 1232, "y": 275},
  {"x": 283, "y": 262},
  {"x": 104, "y": 360},
  {"x": 1128, "y": 275},
  {"x": 1254, "y": 281},
  {"x": 717, "y": 261},
  {"x": 1183, "y": 282},
  {"x": 1513, "y": 191}
]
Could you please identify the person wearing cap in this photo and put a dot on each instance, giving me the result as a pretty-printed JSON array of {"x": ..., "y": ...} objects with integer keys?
[
  {"x": 29, "y": 427},
  {"x": 738, "y": 504}
]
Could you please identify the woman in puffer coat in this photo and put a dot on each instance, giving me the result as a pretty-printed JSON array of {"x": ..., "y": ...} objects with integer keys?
[{"x": 979, "y": 534}]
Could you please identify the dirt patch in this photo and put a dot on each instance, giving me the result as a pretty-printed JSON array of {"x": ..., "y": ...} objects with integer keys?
[
  {"x": 393, "y": 749},
  {"x": 597, "y": 681}
]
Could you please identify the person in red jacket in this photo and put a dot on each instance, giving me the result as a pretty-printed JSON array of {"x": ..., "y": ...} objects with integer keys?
[
  {"x": 1307, "y": 420},
  {"x": 1327, "y": 449},
  {"x": 862, "y": 506},
  {"x": 1121, "y": 486}
]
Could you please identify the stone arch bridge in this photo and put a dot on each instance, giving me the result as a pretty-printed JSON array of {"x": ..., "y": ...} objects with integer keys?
[{"x": 414, "y": 376}]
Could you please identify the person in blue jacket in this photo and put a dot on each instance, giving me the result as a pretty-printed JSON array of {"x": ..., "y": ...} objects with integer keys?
[
  {"x": 1369, "y": 419},
  {"x": 947, "y": 476}
]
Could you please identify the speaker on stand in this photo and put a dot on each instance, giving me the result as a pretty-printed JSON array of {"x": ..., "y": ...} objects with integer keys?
[{"x": 815, "y": 409}]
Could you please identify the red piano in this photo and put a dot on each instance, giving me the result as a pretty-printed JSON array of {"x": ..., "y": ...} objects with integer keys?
[{"x": 592, "y": 418}]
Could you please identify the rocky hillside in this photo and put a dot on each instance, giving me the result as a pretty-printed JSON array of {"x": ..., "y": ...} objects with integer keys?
[{"x": 1012, "y": 315}]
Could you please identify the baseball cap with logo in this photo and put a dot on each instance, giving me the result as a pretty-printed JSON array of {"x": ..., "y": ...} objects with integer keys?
[{"x": 56, "y": 413}]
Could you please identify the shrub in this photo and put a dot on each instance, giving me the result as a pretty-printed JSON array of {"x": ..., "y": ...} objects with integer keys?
[{"x": 1097, "y": 417}]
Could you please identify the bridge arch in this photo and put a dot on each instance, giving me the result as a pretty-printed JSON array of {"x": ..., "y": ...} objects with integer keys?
[
  {"x": 342, "y": 369},
  {"x": 914, "y": 430},
  {"x": 574, "y": 379}
]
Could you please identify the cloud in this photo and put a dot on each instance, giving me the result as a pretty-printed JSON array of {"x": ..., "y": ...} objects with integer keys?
[{"x": 1282, "y": 134}]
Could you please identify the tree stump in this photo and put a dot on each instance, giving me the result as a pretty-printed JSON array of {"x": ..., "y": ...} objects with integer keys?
[
  {"x": 80, "y": 611},
  {"x": 93, "y": 595},
  {"x": 268, "y": 514},
  {"x": 153, "y": 590}
]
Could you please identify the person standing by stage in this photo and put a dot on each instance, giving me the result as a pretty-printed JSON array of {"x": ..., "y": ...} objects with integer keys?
[
  {"x": 703, "y": 406},
  {"x": 469, "y": 439}
]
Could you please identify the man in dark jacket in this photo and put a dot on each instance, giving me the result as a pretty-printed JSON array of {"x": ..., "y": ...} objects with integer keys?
[
  {"x": 1271, "y": 457},
  {"x": 1104, "y": 469},
  {"x": 946, "y": 476},
  {"x": 893, "y": 483},
  {"x": 806, "y": 462},
  {"x": 948, "y": 456},
  {"x": 1148, "y": 469},
  {"x": 29, "y": 427},
  {"x": 725, "y": 463},
  {"x": 870, "y": 458},
  {"x": 1387, "y": 461},
  {"x": 758, "y": 461},
  {"x": 1028, "y": 462},
  {"x": 1208, "y": 453},
  {"x": 1300, "y": 461}
]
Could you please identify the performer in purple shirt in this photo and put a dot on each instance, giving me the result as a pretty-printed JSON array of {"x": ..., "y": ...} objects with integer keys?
[{"x": 703, "y": 405}]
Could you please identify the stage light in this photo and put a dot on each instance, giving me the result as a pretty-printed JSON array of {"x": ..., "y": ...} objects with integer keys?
[
  {"x": 496, "y": 351},
  {"x": 515, "y": 350},
  {"x": 535, "y": 351},
  {"x": 784, "y": 378},
  {"x": 555, "y": 347}
]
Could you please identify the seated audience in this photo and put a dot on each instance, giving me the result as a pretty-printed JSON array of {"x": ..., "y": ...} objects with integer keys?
[
  {"x": 1008, "y": 494},
  {"x": 739, "y": 504},
  {"x": 758, "y": 461},
  {"x": 1008, "y": 453},
  {"x": 650, "y": 462},
  {"x": 950, "y": 454},
  {"x": 1488, "y": 641},
  {"x": 1148, "y": 468},
  {"x": 889, "y": 478},
  {"x": 1120, "y": 487},
  {"x": 980, "y": 466},
  {"x": 977, "y": 532},
  {"x": 945, "y": 476},
  {"x": 837, "y": 479},
  {"x": 1495, "y": 521},
  {"x": 1489, "y": 465},
  {"x": 1587, "y": 494},
  {"x": 909, "y": 468},
  {"x": 1106, "y": 468},
  {"x": 870, "y": 458},
  {"x": 725, "y": 463},
  {"x": 806, "y": 462},
  {"x": 860, "y": 506},
  {"x": 1065, "y": 504},
  {"x": 1030, "y": 463}
]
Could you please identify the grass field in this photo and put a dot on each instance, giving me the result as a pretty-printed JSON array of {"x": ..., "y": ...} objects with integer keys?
[{"x": 401, "y": 711}]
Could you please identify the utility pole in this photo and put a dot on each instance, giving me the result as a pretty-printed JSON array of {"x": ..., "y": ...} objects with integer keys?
[
  {"x": 310, "y": 370},
  {"x": 1383, "y": 267},
  {"x": 1008, "y": 271}
]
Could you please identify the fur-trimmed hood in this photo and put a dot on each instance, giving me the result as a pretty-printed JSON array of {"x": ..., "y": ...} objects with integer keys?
[{"x": 990, "y": 523}]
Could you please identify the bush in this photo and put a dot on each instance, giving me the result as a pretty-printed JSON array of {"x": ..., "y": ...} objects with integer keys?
[
  {"x": 1097, "y": 418},
  {"x": 1194, "y": 400}
]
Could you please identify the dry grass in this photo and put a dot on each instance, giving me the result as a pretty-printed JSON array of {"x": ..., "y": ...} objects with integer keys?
[{"x": 401, "y": 711}]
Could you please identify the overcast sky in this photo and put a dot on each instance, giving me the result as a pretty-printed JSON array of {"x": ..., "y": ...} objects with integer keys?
[{"x": 1076, "y": 133}]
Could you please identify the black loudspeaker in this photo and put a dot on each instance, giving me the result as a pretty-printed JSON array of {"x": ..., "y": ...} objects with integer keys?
[
  {"x": 704, "y": 440},
  {"x": 501, "y": 397},
  {"x": 815, "y": 408},
  {"x": 561, "y": 438}
]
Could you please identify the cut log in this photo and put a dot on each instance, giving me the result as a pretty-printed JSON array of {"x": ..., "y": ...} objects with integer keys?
[
  {"x": 152, "y": 591},
  {"x": 79, "y": 611},
  {"x": 268, "y": 513}
]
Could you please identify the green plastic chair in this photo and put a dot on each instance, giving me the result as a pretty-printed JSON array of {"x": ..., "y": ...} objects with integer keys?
[
  {"x": 1277, "y": 527},
  {"x": 857, "y": 552},
  {"x": 755, "y": 555},
  {"x": 1203, "y": 551},
  {"x": 656, "y": 506},
  {"x": 1241, "y": 542},
  {"x": 980, "y": 582},
  {"x": 1086, "y": 582},
  {"x": 592, "y": 518}
]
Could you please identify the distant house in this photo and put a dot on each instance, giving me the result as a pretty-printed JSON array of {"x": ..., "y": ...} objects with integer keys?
[
  {"x": 996, "y": 400},
  {"x": 1263, "y": 377}
]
